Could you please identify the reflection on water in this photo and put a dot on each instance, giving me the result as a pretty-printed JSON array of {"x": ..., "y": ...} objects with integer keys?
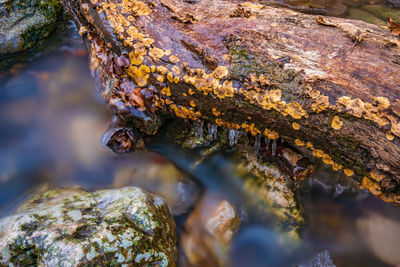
[{"x": 51, "y": 121}]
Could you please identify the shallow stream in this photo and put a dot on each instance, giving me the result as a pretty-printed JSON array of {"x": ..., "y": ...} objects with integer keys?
[{"x": 51, "y": 122}]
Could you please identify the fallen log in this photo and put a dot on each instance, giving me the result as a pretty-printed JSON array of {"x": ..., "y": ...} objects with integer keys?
[{"x": 328, "y": 86}]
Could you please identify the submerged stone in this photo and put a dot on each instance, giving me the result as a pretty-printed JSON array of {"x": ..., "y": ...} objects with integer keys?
[
  {"x": 24, "y": 23},
  {"x": 72, "y": 227},
  {"x": 322, "y": 259},
  {"x": 157, "y": 174},
  {"x": 270, "y": 193},
  {"x": 209, "y": 231},
  {"x": 382, "y": 236}
]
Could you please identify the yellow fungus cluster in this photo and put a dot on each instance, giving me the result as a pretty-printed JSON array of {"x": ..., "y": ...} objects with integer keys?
[
  {"x": 377, "y": 176},
  {"x": 82, "y": 30},
  {"x": 215, "y": 112},
  {"x": 272, "y": 99},
  {"x": 367, "y": 183},
  {"x": 271, "y": 134},
  {"x": 299, "y": 142},
  {"x": 389, "y": 135},
  {"x": 139, "y": 74},
  {"x": 374, "y": 188},
  {"x": 210, "y": 83},
  {"x": 295, "y": 126},
  {"x": 220, "y": 72},
  {"x": 166, "y": 91},
  {"x": 375, "y": 112},
  {"x": 226, "y": 90},
  {"x": 323, "y": 156},
  {"x": 348, "y": 172},
  {"x": 176, "y": 70},
  {"x": 156, "y": 53},
  {"x": 371, "y": 183},
  {"x": 252, "y": 129},
  {"x": 229, "y": 125},
  {"x": 174, "y": 59},
  {"x": 396, "y": 129},
  {"x": 183, "y": 112},
  {"x": 336, "y": 123},
  {"x": 320, "y": 104}
]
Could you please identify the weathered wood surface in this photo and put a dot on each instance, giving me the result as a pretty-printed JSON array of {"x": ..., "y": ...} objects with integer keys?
[{"x": 328, "y": 86}]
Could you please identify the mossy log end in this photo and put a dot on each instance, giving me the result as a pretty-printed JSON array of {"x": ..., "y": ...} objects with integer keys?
[{"x": 328, "y": 86}]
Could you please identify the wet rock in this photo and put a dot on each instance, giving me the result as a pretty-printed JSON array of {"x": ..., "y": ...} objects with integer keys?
[
  {"x": 333, "y": 184},
  {"x": 322, "y": 259},
  {"x": 359, "y": 14},
  {"x": 382, "y": 236},
  {"x": 270, "y": 192},
  {"x": 209, "y": 231},
  {"x": 24, "y": 23},
  {"x": 298, "y": 167},
  {"x": 157, "y": 174},
  {"x": 383, "y": 12},
  {"x": 73, "y": 227}
]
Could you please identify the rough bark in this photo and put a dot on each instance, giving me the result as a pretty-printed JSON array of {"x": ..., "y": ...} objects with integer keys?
[{"x": 328, "y": 86}]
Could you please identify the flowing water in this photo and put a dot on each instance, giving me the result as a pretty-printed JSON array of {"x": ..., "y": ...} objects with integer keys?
[{"x": 51, "y": 121}]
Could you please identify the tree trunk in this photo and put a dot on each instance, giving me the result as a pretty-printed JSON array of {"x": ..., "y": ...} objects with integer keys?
[{"x": 328, "y": 86}]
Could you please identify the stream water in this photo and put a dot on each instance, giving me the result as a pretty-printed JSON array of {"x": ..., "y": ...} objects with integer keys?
[{"x": 51, "y": 121}]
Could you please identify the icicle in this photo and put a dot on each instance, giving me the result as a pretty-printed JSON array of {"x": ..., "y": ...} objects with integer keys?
[
  {"x": 267, "y": 141},
  {"x": 212, "y": 131},
  {"x": 215, "y": 131},
  {"x": 199, "y": 128},
  {"x": 209, "y": 129},
  {"x": 257, "y": 143},
  {"x": 274, "y": 143},
  {"x": 232, "y": 137}
]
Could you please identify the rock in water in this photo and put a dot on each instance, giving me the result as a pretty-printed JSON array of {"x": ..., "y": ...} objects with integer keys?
[
  {"x": 72, "y": 227},
  {"x": 209, "y": 231},
  {"x": 24, "y": 23},
  {"x": 322, "y": 259},
  {"x": 158, "y": 175}
]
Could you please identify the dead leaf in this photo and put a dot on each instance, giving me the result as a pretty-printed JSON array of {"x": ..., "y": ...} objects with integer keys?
[{"x": 394, "y": 27}]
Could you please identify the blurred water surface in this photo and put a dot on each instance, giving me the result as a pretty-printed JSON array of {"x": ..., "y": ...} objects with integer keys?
[{"x": 51, "y": 121}]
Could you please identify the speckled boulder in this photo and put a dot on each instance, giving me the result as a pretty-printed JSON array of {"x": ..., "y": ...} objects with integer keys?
[
  {"x": 25, "y": 22},
  {"x": 119, "y": 227}
]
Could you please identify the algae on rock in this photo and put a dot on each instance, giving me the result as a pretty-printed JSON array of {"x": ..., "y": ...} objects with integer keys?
[
  {"x": 24, "y": 23},
  {"x": 72, "y": 227}
]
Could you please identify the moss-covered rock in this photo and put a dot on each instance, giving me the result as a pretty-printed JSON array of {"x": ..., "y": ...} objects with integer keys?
[
  {"x": 23, "y": 23},
  {"x": 73, "y": 227}
]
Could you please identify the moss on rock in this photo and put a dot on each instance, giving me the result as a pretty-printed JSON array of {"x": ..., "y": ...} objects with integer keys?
[
  {"x": 24, "y": 23},
  {"x": 73, "y": 227}
]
